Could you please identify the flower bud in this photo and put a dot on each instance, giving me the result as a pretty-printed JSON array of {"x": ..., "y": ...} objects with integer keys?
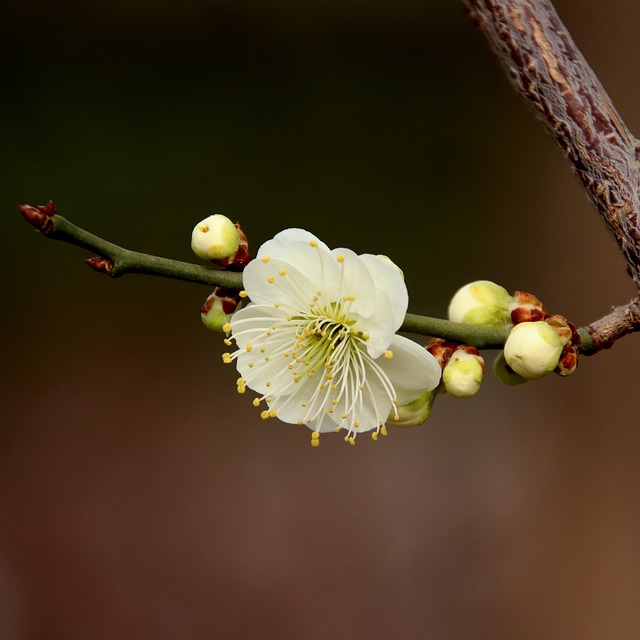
[
  {"x": 415, "y": 413},
  {"x": 527, "y": 308},
  {"x": 218, "y": 308},
  {"x": 482, "y": 303},
  {"x": 568, "y": 361},
  {"x": 533, "y": 349},
  {"x": 463, "y": 374},
  {"x": 505, "y": 373},
  {"x": 216, "y": 238}
]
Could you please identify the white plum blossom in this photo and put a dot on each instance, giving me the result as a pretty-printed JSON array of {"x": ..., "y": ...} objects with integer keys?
[{"x": 318, "y": 341}]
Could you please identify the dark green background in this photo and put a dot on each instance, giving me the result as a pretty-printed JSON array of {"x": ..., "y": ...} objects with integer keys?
[{"x": 140, "y": 496}]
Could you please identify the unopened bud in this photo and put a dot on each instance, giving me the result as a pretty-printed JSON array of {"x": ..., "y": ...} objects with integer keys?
[
  {"x": 568, "y": 361},
  {"x": 527, "y": 308},
  {"x": 218, "y": 308},
  {"x": 482, "y": 303},
  {"x": 216, "y": 238},
  {"x": 533, "y": 349},
  {"x": 463, "y": 374},
  {"x": 505, "y": 373},
  {"x": 415, "y": 413}
]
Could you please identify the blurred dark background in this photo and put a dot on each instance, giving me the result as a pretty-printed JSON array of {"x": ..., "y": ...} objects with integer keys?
[{"x": 140, "y": 497}]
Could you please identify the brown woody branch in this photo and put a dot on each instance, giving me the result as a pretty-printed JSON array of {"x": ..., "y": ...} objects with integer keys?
[{"x": 551, "y": 75}]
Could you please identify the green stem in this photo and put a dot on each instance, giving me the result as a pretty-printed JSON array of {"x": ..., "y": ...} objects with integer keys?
[{"x": 116, "y": 261}]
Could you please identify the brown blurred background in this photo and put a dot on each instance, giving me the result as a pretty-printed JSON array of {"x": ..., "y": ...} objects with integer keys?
[{"x": 140, "y": 497}]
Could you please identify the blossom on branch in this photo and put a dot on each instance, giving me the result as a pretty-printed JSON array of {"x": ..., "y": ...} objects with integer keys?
[{"x": 318, "y": 341}]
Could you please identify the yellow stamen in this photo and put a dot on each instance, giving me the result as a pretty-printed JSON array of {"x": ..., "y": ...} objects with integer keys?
[
  {"x": 383, "y": 430},
  {"x": 374, "y": 436},
  {"x": 266, "y": 259},
  {"x": 256, "y": 402},
  {"x": 271, "y": 279},
  {"x": 388, "y": 354}
]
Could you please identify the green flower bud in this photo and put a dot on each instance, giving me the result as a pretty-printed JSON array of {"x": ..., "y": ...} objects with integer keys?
[
  {"x": 215, "y": 238},
  {"x": 482, "y": 303},
  {"x": 415, "y": 413},
  {"x": 218, "y": 309},
  {"x": 533, "y": 349},
  {"x": 463, "y": 374},
  {"x": 505, "y": 373}
]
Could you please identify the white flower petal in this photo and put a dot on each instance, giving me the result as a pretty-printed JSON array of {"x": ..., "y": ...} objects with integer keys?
[
  {"x": 411, "y": 369},
  {"x": 387, "y": 278}
]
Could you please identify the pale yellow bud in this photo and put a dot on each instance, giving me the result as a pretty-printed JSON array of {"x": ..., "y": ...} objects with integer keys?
[
  {"x": 463, "y": 374},
  {"x": 482, "y": 303},
  {"x": 533, "y": 349},
  {"x": 505, "y": 373},
  {"x": 215, "y": 238}
]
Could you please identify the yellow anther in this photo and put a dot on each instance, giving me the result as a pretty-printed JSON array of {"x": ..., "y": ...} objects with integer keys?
[
  {"x": 240, "y": 382},
  {"x": 283, "y": 272},
  {"x": 366, "y": 335},
  {"x": 262, "y": 349},
  {"x": 340, "y": 258},
  {"x": 330, "y": 410},
  {"x": 266, "y": 358},
  {"x": 241, "y": 388},
  {"x": 276, "y": 305},
  {"x": 315, "y": 435},
  {"x": 322, "y": 387},
  {"x": 248, "y": 347},
  {"x": 228, "y": 342},
  {"x": 334, "y": 401},
  {"x": 334, "y": 386},
  {"x": 256, "y": 402},
  {"x": 352, "y": 441},
  {"x": 226, "y": 358},
  {"x": 299, "y": 422},
  {"x": 356, "y": 425},
  {"x": 383, "y": 430},
  {"x": 315, "y": 443},
  {"x": 337, "y": 429},
  {"x": 243, "y": 294},
  {"x": 264, "y": 415},
  {"x": 266, "y": 259},
  {"x": 374, "y": 436},
  {"x": 303, "y": 404},
  {"x": 267, "y": 384},
  {"x": 361, "y": 387},
  {"x": 329, "y": 376},
  {"x": 313, "y": 243},
  {"x": 272, "y": 413},
  {"x": 271, "y": 279},
  {"x": 344, "y": 416},
  {"x": 274, "y": 327},
  {"x": 226, "y": 327},
  {"x": 250, "y": 365},
  {"x": 388, "y": 354},
  {"x": 269, "y": 399}
]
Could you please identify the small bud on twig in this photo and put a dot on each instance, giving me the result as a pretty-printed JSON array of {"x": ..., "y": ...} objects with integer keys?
[{"x": 39, "y": 216}]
